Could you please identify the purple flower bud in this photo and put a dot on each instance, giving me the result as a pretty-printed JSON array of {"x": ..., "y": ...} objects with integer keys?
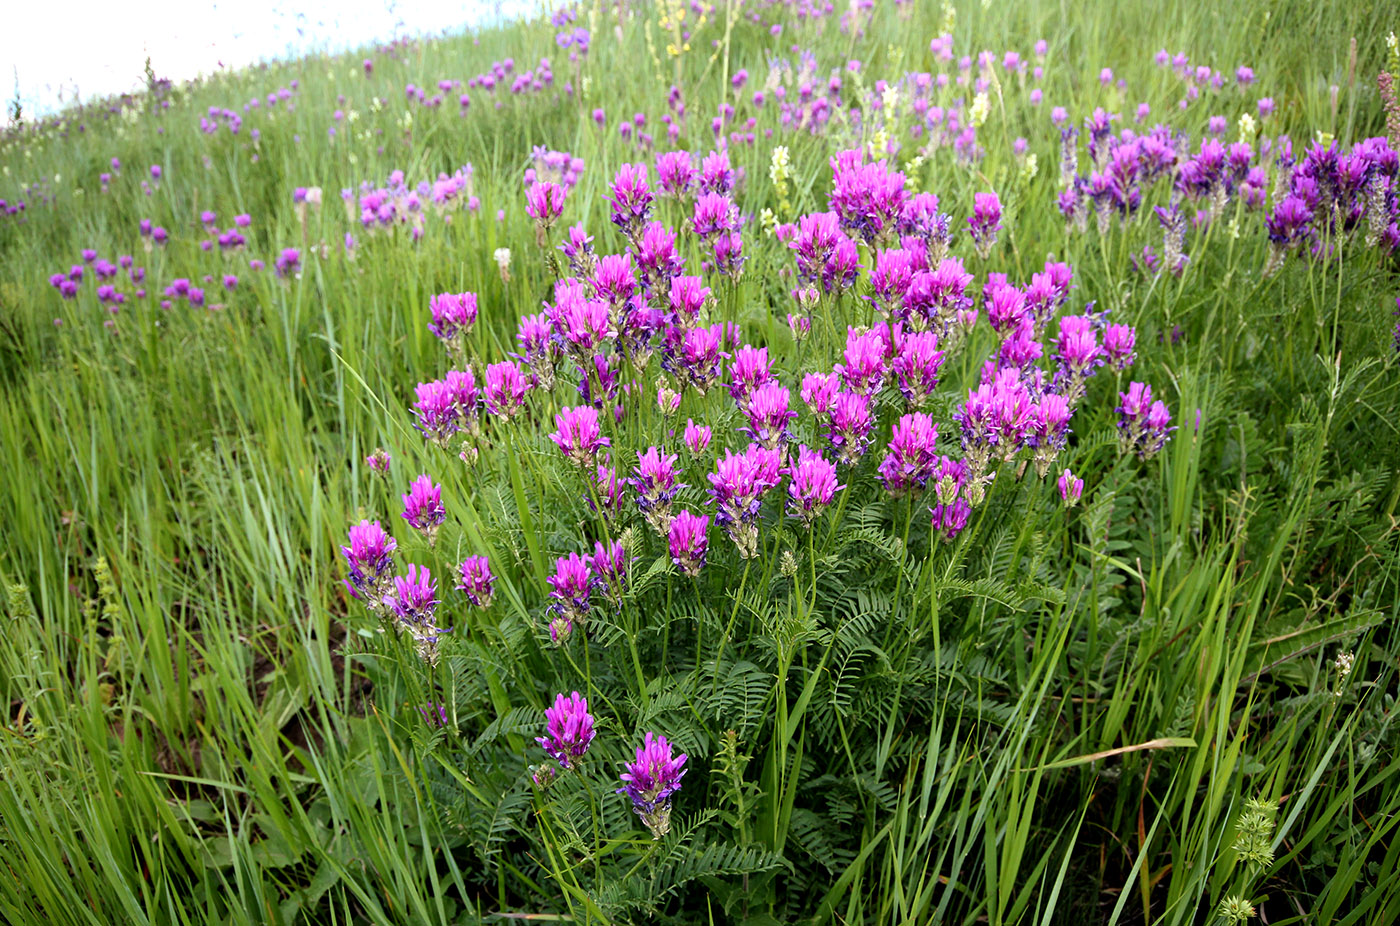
[
  {"x": 697, "y": 437},
  {"x": 1071, "y": 488}
]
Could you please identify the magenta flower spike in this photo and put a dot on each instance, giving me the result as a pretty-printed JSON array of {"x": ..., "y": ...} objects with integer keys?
[
  {"x": 569, "y": 594},
  {"x": 812, "y": 485},
  {"x": 688, "y": 540},
  {"x": 477, "y": 582},
  {"x": 578, "y": 434},
  {"x": 650, "y": 780},
  {"x": 985, "y": 222},
  {"x": 569, "y": 730},
  {"x": 423, "y": 509},
  {"x": 370, "y": 556}
]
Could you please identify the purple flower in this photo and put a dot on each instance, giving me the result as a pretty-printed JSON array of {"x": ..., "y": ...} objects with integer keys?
[
  {"x": 985, "y": 222},
  {"x": 864, "y": 369},
  {"x": 414, "y": 603},
  {"x": 650, "y": 780},
  {"x": 1143, "y": 424},
  {"x": 714, "y": 213},
  {"x": 609, "y": 565},
  {"x": 454, "y": 314},
  {"x": 1071, "y": 488},
  {"x": 909, "y": 462},
  {"x": 697, "y": 437},
  {"x": 769, "y": 415},
  {"x": 379, "y": 461},
  {"x": 848, "y": 427},
  {"x": 423, "y": 509},
  {"x": 655, "y": 484},
  {"x": 537, "y": 342},
  {"x": 812, "y": 487},
  {"x": 578, "y": 434},
  {"x": 370, "y": 556},
  {"x": 434, "y": 715},
  {"x": 570, "y": 730},
  {"x": 288, "y": 262},
  {"x": 1118, "y": 342},
  {"x": 687, "y": 297},
  {"x": 544, "y": 202},
  {"x": 631, "y": 199},
  {"x": 607, "y": 494},
  {"x": 688, "y": 541},
  {"x": 505, "y": 389},
  {"x": 1049, "y": 429},
  {"x": 1078, "y": 355},
  {"x": 737, "y": 485},
  {"x": 751, "y": 369},
  {"x": 675, "y": 173},
  {"x": 569, "y": 586},
  {"x": 477, "y": 582}
]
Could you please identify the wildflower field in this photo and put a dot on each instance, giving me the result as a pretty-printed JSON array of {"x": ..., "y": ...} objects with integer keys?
[{"x": 746, "y": 463}]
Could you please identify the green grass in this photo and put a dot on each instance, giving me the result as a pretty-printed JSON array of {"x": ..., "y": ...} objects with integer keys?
[{"x": 1059, "y": 717}]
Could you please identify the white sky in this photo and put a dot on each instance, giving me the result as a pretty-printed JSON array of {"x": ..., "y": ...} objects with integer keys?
[{"x": 101, "y": 48}]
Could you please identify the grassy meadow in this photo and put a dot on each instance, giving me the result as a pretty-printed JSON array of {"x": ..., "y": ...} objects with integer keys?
[{"x": 917, "y": 677}]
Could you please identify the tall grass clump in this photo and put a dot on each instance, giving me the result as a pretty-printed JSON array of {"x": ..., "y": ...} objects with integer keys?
[{"x": 739, "y": 463}]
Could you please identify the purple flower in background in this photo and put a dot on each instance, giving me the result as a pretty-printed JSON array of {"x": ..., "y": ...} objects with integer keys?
[
  {"x": 570, "y": 730},
  {"x": 370, "y": 556},
  {"x": 985, "y": 222},
  {"x": 1143, "y": 424},
  {"x": 688, "y": 542},
  {"x": 454, "y": 315},
  {"x": 379, "y": 461},
  {"x": 288, "y": 262},
  {"x": 478, "y": 584},
  {"x": 650, "y": 780},
  {"x": 423, "y": 509},
  {"x": 1071, "y": 488}
]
